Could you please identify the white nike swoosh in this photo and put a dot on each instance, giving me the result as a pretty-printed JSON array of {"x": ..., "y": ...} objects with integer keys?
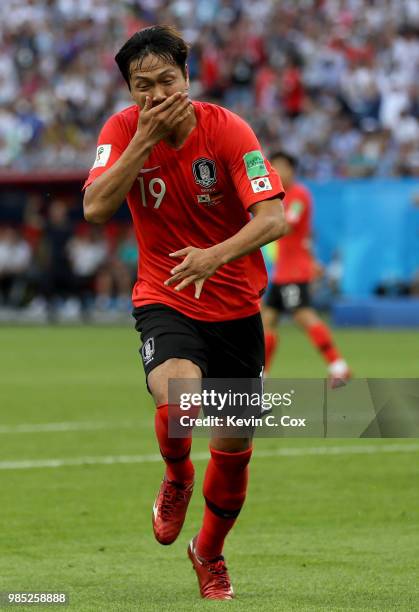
[
  {"x": 144, "y": 170},
  {"x": 155, "y": 510},
  {"x": 194, "y": 553}
]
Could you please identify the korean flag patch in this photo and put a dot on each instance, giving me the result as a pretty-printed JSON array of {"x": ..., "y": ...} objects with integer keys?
[
  {"x": 102, "y": 155},
  {"x": 261, "y": 184}
]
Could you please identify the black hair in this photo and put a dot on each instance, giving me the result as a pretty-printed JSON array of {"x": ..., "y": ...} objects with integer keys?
[
  {"x": 291, "y": 159},
  {"x": 161, "y": 40}
]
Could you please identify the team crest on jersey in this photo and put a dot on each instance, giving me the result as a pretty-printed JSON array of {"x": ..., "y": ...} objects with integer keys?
[
  {"x": 147, "y": 351},
  {"x": 204, "y": 172}
]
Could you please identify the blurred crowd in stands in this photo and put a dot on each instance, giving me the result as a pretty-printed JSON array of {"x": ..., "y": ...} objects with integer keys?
[
  {"x": 57, "y": 267},
  {"x": 336, "y": 82}
]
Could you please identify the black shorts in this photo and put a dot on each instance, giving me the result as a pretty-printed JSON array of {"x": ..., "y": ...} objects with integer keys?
[
  {"x": 222, "y": 349},
  {"x": 288, "y": 297}
]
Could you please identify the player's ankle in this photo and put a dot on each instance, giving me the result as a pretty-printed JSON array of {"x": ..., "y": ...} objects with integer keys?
[{"x": 179, "y": 479}]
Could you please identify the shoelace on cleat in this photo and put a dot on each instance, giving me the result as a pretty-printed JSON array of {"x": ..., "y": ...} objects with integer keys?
[
  {"x": 219, "y": 570},
  {"x": 171, "y": 495}
]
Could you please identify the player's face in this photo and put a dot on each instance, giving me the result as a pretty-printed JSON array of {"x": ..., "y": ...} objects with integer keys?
[
  {"x": 284, "y": 169},
  {"x": 156, "y": 78}
]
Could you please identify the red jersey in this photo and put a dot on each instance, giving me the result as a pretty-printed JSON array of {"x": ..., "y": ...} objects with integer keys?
[
  {"x": 295, "y": 262},
  {"x": 197, "y": 195}
]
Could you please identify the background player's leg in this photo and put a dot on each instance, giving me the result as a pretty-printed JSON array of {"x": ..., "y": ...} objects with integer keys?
[
  {"x": 321, "y": 337},
  {"x": 270, "y": 318},
  {"x": 224, "y": 489}
]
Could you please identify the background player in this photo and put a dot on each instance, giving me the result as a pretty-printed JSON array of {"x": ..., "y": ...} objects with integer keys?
[
  {"x": 294, "y": 270},
  {"x": 191, "y": 173}
]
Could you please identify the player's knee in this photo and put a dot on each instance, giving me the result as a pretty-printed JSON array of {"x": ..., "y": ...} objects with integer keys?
[
  {"x": 172, "y": 368},
  {"x": 231, "y": 445},
  {"x": 269, "y": 319},
  {"x": 305, "y": 317}
]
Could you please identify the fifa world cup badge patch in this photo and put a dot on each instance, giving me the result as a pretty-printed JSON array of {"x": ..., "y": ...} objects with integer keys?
[
  {"x": 147, "y": 351},
  {"x": 261, "y": 184},
  {"x": 204, "y": 171},
  {"x": 255, "y": 164},
  {"x": 102, "y": 155}
]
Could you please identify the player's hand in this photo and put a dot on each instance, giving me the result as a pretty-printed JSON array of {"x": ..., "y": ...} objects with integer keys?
[
  {"x": 156, "y": 123},
  {"x": 197, "y": 266}
]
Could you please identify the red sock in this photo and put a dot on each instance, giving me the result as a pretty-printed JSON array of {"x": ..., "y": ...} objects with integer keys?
[
  {"x": 224, "y": 490},
  {"x": 175, "y": 451},
  {"x": 322, "y": 339},
  {"x": 271, "y": 339}
]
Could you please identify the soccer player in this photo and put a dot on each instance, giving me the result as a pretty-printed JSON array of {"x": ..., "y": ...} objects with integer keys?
[
  {"x": 294, "y": 270},
  {"x": 203, "y": 200}
]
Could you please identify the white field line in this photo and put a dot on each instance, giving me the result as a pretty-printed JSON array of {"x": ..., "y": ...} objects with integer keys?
[
  {"x": 281, "y": 452},
  {"x": 67, "y": 426}
]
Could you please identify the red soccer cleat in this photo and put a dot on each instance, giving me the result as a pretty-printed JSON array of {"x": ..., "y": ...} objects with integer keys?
[
  {"x": 213, "y": 578},
  {"x": 169, "y": 509}
]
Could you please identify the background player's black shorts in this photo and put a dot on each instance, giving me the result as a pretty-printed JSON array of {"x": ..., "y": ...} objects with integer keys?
[
  {"x": 288, "y": 297},
  {"x": 222, "y": 349}
]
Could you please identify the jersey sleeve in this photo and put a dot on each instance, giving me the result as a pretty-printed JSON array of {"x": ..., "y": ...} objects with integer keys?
[
  {"x": 111, "y": 143},
  {"x": 253, "y": 176}
]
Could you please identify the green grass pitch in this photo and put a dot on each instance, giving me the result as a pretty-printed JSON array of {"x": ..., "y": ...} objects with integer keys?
[{"x": 318, "y": 532}]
